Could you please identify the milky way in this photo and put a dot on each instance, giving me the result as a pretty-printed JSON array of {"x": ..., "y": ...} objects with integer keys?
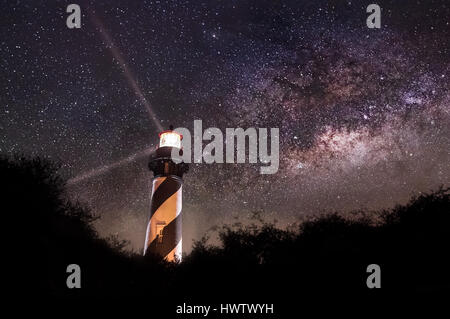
[{"x": 364, "y": 114}]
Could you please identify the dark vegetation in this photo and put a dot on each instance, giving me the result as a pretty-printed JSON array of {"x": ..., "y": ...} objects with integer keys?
[{"x": 328, "y": 255}]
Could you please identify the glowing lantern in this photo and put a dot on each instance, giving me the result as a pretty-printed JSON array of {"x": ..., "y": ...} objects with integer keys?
[{"x": 170, "y": 139}]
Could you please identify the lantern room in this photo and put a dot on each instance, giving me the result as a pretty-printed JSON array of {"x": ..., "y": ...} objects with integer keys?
[{"x": 170, "y": 138}]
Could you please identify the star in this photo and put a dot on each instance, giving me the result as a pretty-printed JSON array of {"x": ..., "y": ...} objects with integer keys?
[{"x": 363, "y": 114}]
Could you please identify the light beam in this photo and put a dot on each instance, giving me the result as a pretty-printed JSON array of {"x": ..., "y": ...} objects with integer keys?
[
  {"x": 128, "y": 74},
  {"x": 106, "y": 168},
  {"x": 137, "y": 90}
]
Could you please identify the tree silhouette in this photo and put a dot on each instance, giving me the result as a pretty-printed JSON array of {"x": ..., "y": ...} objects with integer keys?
[{"x": 325, "y": 255}]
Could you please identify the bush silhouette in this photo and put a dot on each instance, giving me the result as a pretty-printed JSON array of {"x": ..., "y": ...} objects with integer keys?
[{"x": 326, "y": 255}]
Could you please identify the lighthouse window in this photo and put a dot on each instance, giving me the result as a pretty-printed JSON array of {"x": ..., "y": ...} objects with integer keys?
[{"x": 159, "y": 231}]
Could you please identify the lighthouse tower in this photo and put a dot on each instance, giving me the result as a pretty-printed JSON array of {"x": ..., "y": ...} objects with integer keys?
[{"x": 163, "y": 235}]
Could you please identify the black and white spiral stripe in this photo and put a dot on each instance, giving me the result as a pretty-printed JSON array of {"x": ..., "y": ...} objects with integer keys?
[{"x": 165, "y": 210}]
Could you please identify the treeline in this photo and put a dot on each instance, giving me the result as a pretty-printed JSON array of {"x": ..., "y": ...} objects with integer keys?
[{"x": 45, "y": 232}]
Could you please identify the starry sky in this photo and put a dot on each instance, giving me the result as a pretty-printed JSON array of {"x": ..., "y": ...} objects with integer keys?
[{"x": 364, "y": 114}]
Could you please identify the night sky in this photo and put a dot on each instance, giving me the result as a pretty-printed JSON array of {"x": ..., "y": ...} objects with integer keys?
[{"x": 364, "y": 114}]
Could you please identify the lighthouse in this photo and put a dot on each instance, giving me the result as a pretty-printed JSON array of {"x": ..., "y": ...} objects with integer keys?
[{"x": 163, "y": 236}]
